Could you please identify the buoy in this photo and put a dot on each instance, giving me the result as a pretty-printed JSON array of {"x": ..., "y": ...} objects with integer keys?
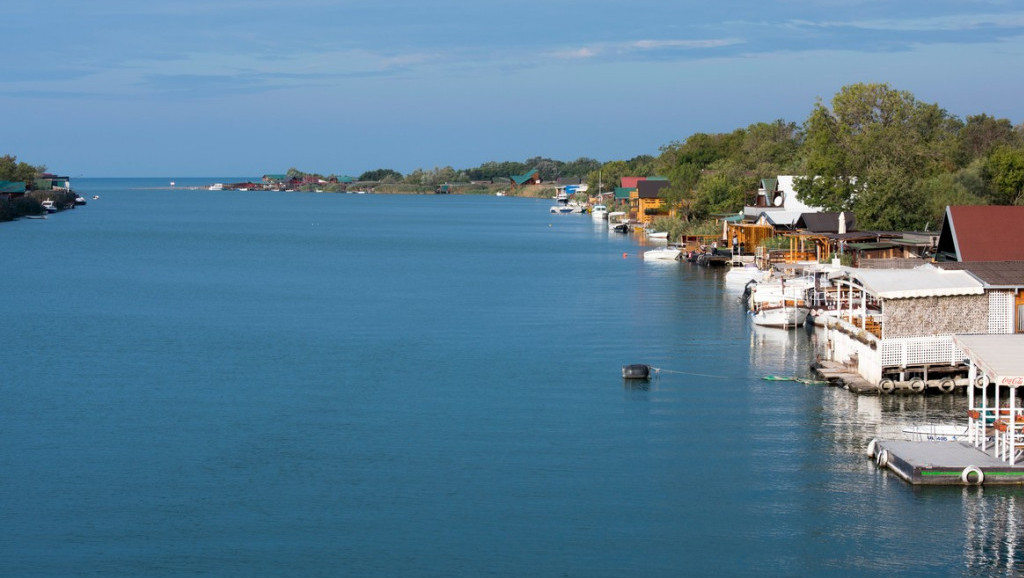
[
  {"x": 972, "y": 476},
  {"x": 887, "y": 386},
  {"x": 917, "y": 385},
  {"x": 624, "y": 255},
  {"x": 947, "y": 386},
  {"x": 636, "y": 371},
  {"x": 882, "y": 459}
]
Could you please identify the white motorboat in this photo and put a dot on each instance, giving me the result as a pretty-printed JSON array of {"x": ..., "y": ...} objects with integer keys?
[
  {"x": 937, "y": 433},
  {"x": 780, "y": 303},
  {"x": 49, "y": 206},
  {"x": 599, "y": 212},
  {"x": 662, "y": 254},
  {"x": 657, "y": 235},
  {"x": 618, "y": 221},
  {"x": 561, "y": 209},
  {"x": 216, "y": 187},
  {"x": 738, "y": 277}
]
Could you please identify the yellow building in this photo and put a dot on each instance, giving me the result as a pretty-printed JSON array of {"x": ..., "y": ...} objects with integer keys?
[{"x": 645, "y": 202}]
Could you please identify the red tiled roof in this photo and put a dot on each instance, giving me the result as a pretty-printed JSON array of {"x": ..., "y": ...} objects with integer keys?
[
  {"x": 984, "y": 232},
  {"x": 630, "y": 182}
]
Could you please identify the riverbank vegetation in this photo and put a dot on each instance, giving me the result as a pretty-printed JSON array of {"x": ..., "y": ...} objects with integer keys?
[{"x": 893, "y": 160}]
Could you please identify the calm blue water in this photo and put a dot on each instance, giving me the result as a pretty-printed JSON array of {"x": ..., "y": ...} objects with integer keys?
[{"x": 288, "y": 384}]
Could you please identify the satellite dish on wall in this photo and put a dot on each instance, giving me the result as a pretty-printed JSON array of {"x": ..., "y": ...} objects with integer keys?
[{"x": 778, "y": 201}]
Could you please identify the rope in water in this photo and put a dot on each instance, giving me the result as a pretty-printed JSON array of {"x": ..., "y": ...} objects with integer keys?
[{"x": 766, "y": 377}]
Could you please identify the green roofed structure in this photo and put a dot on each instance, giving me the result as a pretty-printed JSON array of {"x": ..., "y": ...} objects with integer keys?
[
  {"x": 526, "y": 179},
  {"x": 11, "y": 189}
]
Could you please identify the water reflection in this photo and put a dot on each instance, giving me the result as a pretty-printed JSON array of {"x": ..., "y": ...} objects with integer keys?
[{"x": 992, "y": 527}]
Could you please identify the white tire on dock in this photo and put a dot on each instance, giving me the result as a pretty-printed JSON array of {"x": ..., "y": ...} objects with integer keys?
[
  {"x": 872, "y": 446},
  {"x": 972, "y": 476},
  {"x": 882, "y": 459},
  {"x": 947, "y": 385},
  {"x": 887, "y": 386},
  {"x": 979, "y": 383},
  {"x": 917, "y": 385}
]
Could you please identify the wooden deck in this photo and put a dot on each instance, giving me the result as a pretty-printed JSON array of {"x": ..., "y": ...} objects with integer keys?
[
  {"x": 839, "y": 374},
  {"x": 944, "y": 464}
]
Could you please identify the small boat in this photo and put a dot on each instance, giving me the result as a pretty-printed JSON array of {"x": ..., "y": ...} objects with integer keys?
[
  {"x": 79, "y": 200},
  {"x": 618, "y": 221},
  {"x": 937, "y": 433},
  {"x": 657, "y": 235},
  {"x": 599, "y": 212},
  {"x": 95, "y": 197},
  {"x": 49, "y": 206},
  {"x": 561, "y": 209},
  {"x": 216, "y": 187},
  {"x": 662, "y": 254}
]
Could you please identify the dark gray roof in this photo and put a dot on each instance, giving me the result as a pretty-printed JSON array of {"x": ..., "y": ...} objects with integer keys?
[
  {"x": 825, "y": 222},
  {"x": 991, "y": 273}
]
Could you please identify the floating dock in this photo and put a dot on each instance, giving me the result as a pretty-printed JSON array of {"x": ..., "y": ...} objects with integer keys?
[{"x": 936, "y": 463}]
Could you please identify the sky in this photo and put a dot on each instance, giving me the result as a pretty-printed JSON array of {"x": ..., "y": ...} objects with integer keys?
[{"x": 109, "y": 88}]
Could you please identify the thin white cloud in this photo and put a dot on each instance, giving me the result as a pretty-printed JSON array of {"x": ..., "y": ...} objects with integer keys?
[
  {"x": 946, "y": 23},
  {"x": 638, "y": 46}
]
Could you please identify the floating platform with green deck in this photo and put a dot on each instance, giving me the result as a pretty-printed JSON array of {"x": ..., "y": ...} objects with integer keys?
[{"x": 932, "y": 463}]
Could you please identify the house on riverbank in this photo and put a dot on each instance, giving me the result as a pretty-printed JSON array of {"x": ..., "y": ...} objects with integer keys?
[{"x": 895, "y": 327}]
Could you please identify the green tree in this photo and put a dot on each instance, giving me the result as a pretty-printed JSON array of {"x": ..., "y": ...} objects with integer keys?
[
  {"x": 981, "y": 134},
  {"x": 1005, "y": 170},
  {"x": 12, "y": 170},
  {"x": 869, "y": 150},
  {"x": 383, "y": 175}
]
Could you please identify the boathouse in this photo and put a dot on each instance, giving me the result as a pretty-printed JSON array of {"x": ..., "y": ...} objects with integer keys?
[{"x": 894, "y": 327}]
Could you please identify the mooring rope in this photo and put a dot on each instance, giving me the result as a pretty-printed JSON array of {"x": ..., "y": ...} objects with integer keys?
[{"x": 765, "y": 377}]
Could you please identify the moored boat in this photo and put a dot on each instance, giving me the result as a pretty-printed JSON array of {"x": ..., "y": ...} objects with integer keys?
[
  {"x": 599, "y": 212},
  {"x": 662, "y": 254}
]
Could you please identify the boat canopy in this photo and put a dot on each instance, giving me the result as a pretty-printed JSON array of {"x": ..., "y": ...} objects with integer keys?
[{"x": 924, "y": 281}]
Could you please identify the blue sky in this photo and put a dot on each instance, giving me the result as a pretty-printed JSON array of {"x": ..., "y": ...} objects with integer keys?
[{"x": 244, "y": 88}]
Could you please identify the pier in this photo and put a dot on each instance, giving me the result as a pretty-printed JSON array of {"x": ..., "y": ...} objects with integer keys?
[
  {"x": 943, "y": 463},
  {"x": 993, "y": 453}
]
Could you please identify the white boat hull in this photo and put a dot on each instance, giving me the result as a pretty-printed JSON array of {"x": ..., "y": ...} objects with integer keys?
[
  {"x": 663, "y": 254},
  {"x": 784, "y": 317},
  {"x": 937, "y": 433}
]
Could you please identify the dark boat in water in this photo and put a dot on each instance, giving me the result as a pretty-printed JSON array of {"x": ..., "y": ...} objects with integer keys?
[{"x": 636, "y": 371}]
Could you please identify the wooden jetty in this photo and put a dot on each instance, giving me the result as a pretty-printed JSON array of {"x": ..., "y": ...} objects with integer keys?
[
  {"x": 841, "y": 375},
  {"x": 943, "y": 463},
  {"x": 994, "y": 451}
]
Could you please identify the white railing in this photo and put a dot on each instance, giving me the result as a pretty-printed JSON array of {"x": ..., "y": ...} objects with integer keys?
[{"x": 907, "y": 351}]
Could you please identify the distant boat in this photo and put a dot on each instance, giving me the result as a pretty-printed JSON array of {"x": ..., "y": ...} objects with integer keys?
[
  {"x": 657, "y": 235},
  {"x": 95, "y": 197},
  {"x": 618, "y": 221},
  {"x": 216, "y": 187},
  {"x": 599, "y": 212},
  {"x": 662, "y": 254},
  {"x": 79, "y": 200},
  {"x": 49, "y": 206}
]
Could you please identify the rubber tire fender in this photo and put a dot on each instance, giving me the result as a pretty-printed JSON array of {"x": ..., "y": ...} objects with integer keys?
[
  {"x": 917, "y": 385},
  {"x": 882, "y": 459},
  {"x": 947, "y": 385},
  {"x": 965, "y": 476},
  {"x": 887, "y": 386}
]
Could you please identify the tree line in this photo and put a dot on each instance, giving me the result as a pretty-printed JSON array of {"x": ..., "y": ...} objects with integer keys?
[{"x": 894, "y": 161}]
